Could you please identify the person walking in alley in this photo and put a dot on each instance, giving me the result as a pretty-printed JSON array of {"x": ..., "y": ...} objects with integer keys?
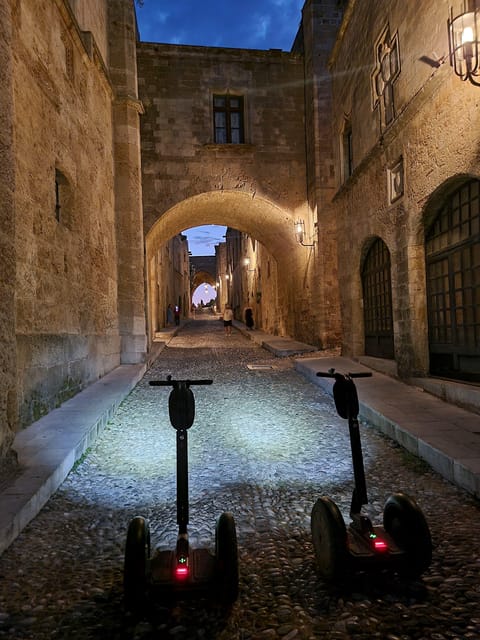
[
  {"x": 249, "y": 318},
  {"x": 227, "y": 320}
]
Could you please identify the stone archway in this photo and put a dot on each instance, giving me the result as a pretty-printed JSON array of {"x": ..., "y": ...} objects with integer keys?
[
  {"x": 270, "y": 225},
  {"x": 202, "y": 269},
  {"x": 199, "y": 277},
  {"x": 260, "y": 218}
]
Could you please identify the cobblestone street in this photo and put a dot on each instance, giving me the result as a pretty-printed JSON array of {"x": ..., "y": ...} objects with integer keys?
[{"x": 265, "y": 444}]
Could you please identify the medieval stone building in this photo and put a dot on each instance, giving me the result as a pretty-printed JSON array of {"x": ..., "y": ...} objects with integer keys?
[
  {"x": 111, "y": 147},
  {"x": 407, "y": 166}
]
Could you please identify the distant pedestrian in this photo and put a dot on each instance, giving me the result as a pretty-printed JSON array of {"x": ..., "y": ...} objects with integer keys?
[
  {"x": 227, "y": 320},
  {"x": 249, "y": 318},
  {"x": 177, "y": 315},
  {"x": 169, "y": 315}
]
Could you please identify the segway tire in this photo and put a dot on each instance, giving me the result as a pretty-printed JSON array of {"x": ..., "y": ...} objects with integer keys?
[
  {"x": 137, "y": 553},
  {"x": 226, "y": 553},
  {"x": 404, "y": 521},
  {"x": 329, "y": 536}
]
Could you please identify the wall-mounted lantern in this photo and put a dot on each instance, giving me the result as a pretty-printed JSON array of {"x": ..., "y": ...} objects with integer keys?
[
  {"x": 246, "y": 264},
  {"x": 463, "y": 40},
  {"x": 300, "y": 233}
]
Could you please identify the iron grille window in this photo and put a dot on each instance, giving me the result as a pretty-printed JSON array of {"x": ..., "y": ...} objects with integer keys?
[
  {"x": 228, "y": 119},
  {"x": 453, "y": 285},
  {"x": 377, "y": 299}
]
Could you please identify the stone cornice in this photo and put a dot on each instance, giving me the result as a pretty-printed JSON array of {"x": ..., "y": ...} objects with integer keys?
[
  {"x": 83, "y": 39},
  {"x": 131, "y": 103}
]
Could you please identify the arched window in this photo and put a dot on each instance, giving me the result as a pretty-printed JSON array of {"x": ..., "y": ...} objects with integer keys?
[
  {"x": 452, "y": 248},
  {"x": 377, "y": 301}
]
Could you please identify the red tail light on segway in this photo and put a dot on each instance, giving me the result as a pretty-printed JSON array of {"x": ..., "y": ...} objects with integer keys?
[
  {"x": 182, "y": 569},
  {"x": 378, "y": 544}
]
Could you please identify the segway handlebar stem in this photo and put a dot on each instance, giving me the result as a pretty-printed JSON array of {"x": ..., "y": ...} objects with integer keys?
[
  {"x": 173, "y": 383},
  {"x": 331, "y": 373}
]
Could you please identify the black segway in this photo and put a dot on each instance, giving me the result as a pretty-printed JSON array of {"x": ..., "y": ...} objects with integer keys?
[
  {"x": 184, "y": 571},
  {"x": 402, "y": 545}
]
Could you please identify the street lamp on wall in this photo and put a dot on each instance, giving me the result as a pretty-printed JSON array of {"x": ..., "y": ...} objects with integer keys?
[
  {"x": 300, "y": 233},
  {"x": 463, "y": 40},
  {"x": 246, "y": 264}
]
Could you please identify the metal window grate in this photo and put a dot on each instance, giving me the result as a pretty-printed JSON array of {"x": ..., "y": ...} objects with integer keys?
[
  {"x": 377, "y": 301},
  {"x": 452, "y": 247}
]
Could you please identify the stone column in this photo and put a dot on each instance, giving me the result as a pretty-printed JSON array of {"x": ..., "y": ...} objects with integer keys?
[
  {"x": 320, "y": 22},
  {"x": 128, "y": 194},
  {"x": 8, "y": 393}
]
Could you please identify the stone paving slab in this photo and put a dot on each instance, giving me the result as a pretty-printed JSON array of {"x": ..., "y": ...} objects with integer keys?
[
  {"x": 48, "y": 449},
  {"x": 282, "y": 347},
  {"x": 445, "y": 436}
]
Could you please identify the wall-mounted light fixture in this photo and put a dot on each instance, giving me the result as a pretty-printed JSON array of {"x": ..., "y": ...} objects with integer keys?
[
  {"x": 463, "y": 40},
  {"x": 300, "y": 233},
  {"x": 246, "y": 264}
]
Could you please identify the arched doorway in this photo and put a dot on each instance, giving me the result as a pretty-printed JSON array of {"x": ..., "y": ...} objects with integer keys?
[
  {"x": 377, "y": 301},
  {"x": 452, "y": 249}
]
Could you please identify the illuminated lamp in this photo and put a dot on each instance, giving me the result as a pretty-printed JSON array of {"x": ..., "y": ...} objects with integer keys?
[
  {"x": 463, "y": 40},
  {"x": 246, "y": 263},
  {"x": 300, "y": 233}
]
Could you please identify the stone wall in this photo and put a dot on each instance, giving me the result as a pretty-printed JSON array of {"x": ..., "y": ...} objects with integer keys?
[
  {"x": 168, "y": 283},
  {"x": 128, "y": 184},
  {"x": 66, "y": 283},
  {"x": 8, "y": 409},
  {"x": 317, "y": 301},
  {"x": 92, "y": 16}
]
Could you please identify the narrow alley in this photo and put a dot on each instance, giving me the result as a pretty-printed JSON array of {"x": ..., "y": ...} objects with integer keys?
[{"x": 265, "y": 444}]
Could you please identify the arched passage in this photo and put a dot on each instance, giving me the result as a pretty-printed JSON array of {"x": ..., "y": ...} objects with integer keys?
[
  {"x": 203, "y": 269},
  {"x": 261, "y": 219},
  {"x": 200, "y": 277},
  {"x": 258, "y": 217}
]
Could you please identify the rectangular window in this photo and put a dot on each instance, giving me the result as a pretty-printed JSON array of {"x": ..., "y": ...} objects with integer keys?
[
  {"x": 228, "y": 119},
  {"x": 347, "y": 152}
]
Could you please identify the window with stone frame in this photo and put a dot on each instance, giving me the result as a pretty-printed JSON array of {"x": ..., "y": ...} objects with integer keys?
[
  {"x": 63, "y": 197},
  {"x": 69, "y": 58},
  {"x": 228, "y": 119},
  {"x": 387, "y": 70},
  {"x": 347, "y": 149}
]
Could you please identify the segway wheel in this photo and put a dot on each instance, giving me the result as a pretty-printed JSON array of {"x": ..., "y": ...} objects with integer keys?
[
  {"x": 329, "y": 536},
  {"x": 226, "y": 554},
  {"x": 137, "y": 553},
  {"x": 405, "y": 522}
]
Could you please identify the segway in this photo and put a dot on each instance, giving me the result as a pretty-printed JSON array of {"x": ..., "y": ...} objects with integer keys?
[
  {"x": 182, "y": 572},
  {"x": 402, "y": 545}
]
